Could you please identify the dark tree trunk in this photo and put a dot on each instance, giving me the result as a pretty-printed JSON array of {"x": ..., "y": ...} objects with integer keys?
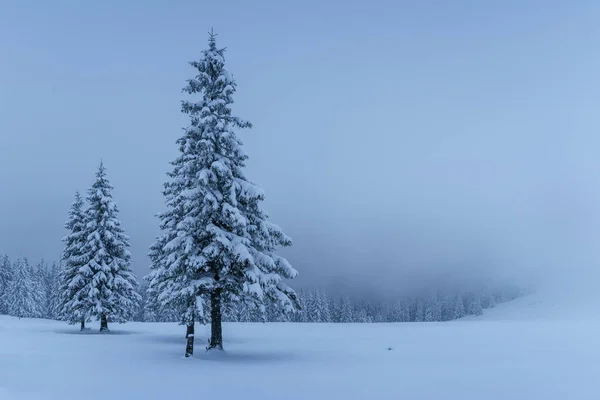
[
  {"x": 189, "y": 334},
  {"x": 216, "y": 329},
  {"x": 103, "y": 323},
  {"x": 82, "y": 324}
]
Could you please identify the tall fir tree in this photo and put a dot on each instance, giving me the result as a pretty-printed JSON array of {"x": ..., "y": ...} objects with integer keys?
[
  {"x": 111, "y": 291},
  {"x": 22, "y": 296},
  {"x": 217, "y": 245},
  {"x": 74, "y": 276},
  {"x": 6, "y": 275}
]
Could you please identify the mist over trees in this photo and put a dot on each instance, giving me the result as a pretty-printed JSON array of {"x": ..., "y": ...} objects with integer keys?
[
  {"x": 33, "y": 292},
  {"x": 321, "y": 306}
]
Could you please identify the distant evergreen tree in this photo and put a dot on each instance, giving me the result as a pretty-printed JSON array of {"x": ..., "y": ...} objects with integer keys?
[
  {"x": 447, "y": 306},
  {"x": 346, "y": 311},
  {"x": 75, "y": 275},
  {"x": 325, "y": 305},
  {"x": 111, "y": 291},
  {"x": 142, "y": 291},
  {"x": 6, "y": 276},
  {"x": 459, "y": 307},
  {"x": 419, "y": 310},
  {"x": 475, "y": 307},
  {"x": 217, "y": 245},
  {"x": 22, "y": 298},
  {"x": 433, "y": 310},
  {"x": 48, "y": 280},
  {"x": 313, "y": 306},
  {"x": 361, "y": 316},
  {"x": 38, "y": 293},
  {"x": 491, "y": 301}
]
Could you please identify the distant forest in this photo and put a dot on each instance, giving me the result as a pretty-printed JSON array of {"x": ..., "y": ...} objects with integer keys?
[
  {"x": 319, "y": 306},
  {"x": 34, "y": 292}
]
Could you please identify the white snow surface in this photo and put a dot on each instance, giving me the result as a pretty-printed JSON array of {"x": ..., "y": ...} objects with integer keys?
[{"x": 495, "y": 356}]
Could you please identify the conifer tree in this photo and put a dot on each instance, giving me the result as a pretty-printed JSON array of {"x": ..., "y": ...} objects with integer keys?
[
  {"x": 74, "y": 276},
  {"x": 47, "y": 277},
  {"x": 475, "y": 307},
  {"x": 217, "y": 246},
  {"x": 21, "y": 295},
  {"x": 491, "y": 301},
  {"x": 346, "y": 313},
  {"x": 325, "y": 307},
  {"x": 6, "y": 275},
  {"x": 111, "y": 291},
  {"x": 38, "y": 294},
  {"x": 313, "y": 306},
  {"x": 433, "y": 311},
  {"x": 459, "y": 307}
]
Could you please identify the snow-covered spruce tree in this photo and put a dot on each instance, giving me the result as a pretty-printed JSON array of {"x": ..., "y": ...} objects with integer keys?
[
  {"x": 39, "y": 296},
  {"x": 47, "y": 277},
  {"x": 346, "y": 311},
  {"x": 111, "y": 291},
  {"x": 491, "y": 301},
  {"x": 459, "y": 308},
  {"x": 74, "y": 276},
  {"x": 5, "y": 279},
  {"x": 475, "y": 307},
  {"x": 21, "y": 294},
  {"x": 52, "y": 286},
  {"x": 217, "y": 242},
  {"x": 325, "y": 308},
  {"x": 313, "y": 306},
  {"x": 433, "y": 310}
]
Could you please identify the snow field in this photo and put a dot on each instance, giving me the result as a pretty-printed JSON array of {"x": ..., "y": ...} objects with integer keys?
[{"x": 481, "y": 358}]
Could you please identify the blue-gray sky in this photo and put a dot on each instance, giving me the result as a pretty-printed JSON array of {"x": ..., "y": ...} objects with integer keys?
[{"x": 389, "y": 136}]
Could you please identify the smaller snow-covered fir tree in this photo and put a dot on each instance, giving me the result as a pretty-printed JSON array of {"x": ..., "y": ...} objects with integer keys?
[
  {"x": 22, "y": 296},
  {"x": 74, "y": 276},
  {"x": 111, "y": 291}
]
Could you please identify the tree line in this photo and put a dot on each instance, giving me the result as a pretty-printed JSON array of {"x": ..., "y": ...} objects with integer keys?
[
  {"x": 37, "y": 292},
  {"x": 319, "y": 306}
]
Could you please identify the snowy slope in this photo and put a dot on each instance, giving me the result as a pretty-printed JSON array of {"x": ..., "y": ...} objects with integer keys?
[
  {"x": 483, "y": 358},
  {"x": 547, "y": 304}
]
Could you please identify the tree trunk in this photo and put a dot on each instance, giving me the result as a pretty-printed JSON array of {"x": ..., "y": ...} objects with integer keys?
[
  {"x": 103, "y": 323},
  {"x": 216, "y": 329},
  {"x": 189, "y": 334},
  {"x": 82, "y": 324}
]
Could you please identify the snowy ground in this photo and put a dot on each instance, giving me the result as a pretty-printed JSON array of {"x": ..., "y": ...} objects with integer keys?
[{"x": 490, "y": 357}]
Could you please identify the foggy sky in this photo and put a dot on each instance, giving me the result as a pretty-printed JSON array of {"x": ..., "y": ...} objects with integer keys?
[{"x": 397, "y": 142}]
